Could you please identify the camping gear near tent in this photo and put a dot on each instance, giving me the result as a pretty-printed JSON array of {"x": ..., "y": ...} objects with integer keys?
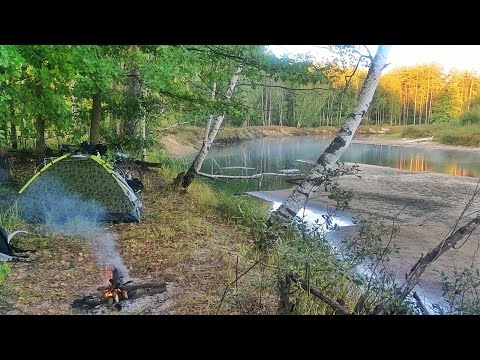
[
  {"x": 78, "y": 185},
  {"x": 7, "y": 249}
]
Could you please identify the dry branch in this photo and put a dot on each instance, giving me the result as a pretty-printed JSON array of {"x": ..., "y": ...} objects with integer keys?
[
  {"x": 419, "y": 268},
  {"x": 420, "y": 304},
  {"x": 304, "y": 284},
  {"x": 133, "y": 292},
  {"x": 148, "y": 164},
  {"x": 254, "y": 176}
]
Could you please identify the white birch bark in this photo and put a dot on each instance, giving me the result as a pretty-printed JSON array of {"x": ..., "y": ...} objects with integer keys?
[
  {"x": 329, "y": 159},
  {"x": 207, "y": 143}
]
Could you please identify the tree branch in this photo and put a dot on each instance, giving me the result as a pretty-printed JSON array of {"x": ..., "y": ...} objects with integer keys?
[
  {"x": 305, "y": 285},
  {"x": 286, "y": 87},
  {"x": 255, "y": 176}
]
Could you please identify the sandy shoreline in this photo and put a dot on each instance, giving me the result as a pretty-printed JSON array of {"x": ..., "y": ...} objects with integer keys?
[
  {"x": 425, "y": 143},
  {"x": 431, "y": 205}
]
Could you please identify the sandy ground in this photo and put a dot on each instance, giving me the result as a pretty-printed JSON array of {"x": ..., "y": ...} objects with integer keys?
[
  {"x": 176, "y": 149},
  {"x": 431, "y": 205},
  {"x": 426, "y": 143}
]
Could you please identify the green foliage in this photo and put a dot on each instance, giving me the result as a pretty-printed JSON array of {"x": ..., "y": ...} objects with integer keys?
[
  {"x": 466, "y": 136},
  {"x": 461, "y": 291},
  {"x": 415, "y": 132},
  {"x": 471, "y": 117},
  {"x": 4, "y": 271},
  {"x": 10, "y": 218},
  {"x": 446, "y": 107}
]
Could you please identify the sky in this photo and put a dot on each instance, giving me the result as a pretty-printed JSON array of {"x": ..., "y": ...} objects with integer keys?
[{"x": 459, "y": 57}]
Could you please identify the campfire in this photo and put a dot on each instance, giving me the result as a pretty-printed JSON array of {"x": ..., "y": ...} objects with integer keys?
[{"x": 116, "y": 291}]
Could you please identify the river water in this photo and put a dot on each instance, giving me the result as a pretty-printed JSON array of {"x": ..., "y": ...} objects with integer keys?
[
  {"x": 276, "y": 154},
  {"x": 294, "y": 155}
]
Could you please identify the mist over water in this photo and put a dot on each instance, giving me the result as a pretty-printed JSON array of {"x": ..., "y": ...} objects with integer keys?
[
  {"x": 68, "y": 213},
  {"x": 280, "y": 154}
]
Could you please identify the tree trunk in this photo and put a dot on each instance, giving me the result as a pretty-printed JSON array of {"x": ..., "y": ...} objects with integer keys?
[
  {"x": 202, "y": 154},
  {"x": 96, "y": 118},
  {"x": 290, "y": 104},
  {"x": 40, "y": 131},
  {"x": 263, "y": 106},
  {"x": 416, "y": 272},
  {"x": 470, "y": 93},
  {"x": 13, "y": 128},
  {"x": 270, "y": 107},
  {"x": 40, "y": 139},
  {"x": 144, "y": 137},
  {"x": 5, "y": 132},
  {"x": 13, "y": 136},
  {"x": 133, "y": 93},
  {"x": 328, "y": 160},
  {"x": 415, "y": 101},
  {"x": 426, "y": 99}
]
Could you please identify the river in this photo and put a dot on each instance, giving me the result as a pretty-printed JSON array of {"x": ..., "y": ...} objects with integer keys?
[{"x": 433, "y": 184}]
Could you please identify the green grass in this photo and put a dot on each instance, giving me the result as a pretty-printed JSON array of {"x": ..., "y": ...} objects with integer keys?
[
  {"x": 462, "y": 135},
  {"x": 4, "y": 271},
  {"x": 445, "y": 133},
  {"x": 10, "y": 218}
]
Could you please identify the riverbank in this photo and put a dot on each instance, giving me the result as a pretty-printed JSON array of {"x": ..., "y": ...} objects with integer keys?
[
  {"x": 184, "y": 142},
  {"x": 425, "y": 206},
  {"x": 424, "y": 143},
  {"x": 430, "y": 204}
]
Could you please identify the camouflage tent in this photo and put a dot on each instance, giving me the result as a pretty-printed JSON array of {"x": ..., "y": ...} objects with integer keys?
[{"x": 78, "y": 185}]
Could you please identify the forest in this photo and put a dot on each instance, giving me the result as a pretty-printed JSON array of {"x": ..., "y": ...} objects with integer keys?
[
  {"x": 198, "y": 237},
  {"x": 51, "y": 94}
]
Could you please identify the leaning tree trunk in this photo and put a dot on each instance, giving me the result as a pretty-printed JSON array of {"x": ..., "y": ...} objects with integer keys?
[
  {"x": 96, "y": 117},
  {"x": 328, "y": 160},
  {"x": 207, "y": 143}
]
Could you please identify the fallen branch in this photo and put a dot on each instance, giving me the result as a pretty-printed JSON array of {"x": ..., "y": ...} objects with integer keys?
[
  {"x": 236, "y": 282},
  {"x": 172, "y": 126},
  {"x": 295, "y": 181},
  {"x": 148, "y": 164},
  {"x": 255, "y": 176},
  {"x": 133, "y": 292},
  {"x": 422, "y": 307},
  {"x": 304, "y": 284},
  {"x": 284, "y": 284},
  {"x": 419, "y": 268}
]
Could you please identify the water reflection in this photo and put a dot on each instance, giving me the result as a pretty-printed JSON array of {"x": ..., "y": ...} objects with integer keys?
[
  {"x": 275, "y": 154},
  {"x": 416, "y": 163}
]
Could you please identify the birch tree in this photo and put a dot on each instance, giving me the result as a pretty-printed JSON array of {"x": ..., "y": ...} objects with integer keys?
[
  {"x": 212, "y": 133},
  {"x": 328, "y": 161}
]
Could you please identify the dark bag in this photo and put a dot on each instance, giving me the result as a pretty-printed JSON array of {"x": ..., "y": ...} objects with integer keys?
[{"x": 5, "y": 247}]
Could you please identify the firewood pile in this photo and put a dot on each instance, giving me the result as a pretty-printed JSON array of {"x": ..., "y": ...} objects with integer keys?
[{"x": 117, "y": 292}]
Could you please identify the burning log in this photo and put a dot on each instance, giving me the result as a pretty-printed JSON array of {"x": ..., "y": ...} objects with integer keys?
[{"x": 118, "y": 291}]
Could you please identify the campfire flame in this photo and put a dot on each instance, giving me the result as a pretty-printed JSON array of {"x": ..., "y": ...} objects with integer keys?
[{"x": 113, "y": 291}]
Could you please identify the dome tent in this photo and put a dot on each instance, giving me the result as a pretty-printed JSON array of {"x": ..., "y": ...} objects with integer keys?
[{"x": 78, "y": 185}]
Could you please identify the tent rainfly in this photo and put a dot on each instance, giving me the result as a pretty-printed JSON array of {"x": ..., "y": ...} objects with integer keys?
[{"x": 73, "y": 185}]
